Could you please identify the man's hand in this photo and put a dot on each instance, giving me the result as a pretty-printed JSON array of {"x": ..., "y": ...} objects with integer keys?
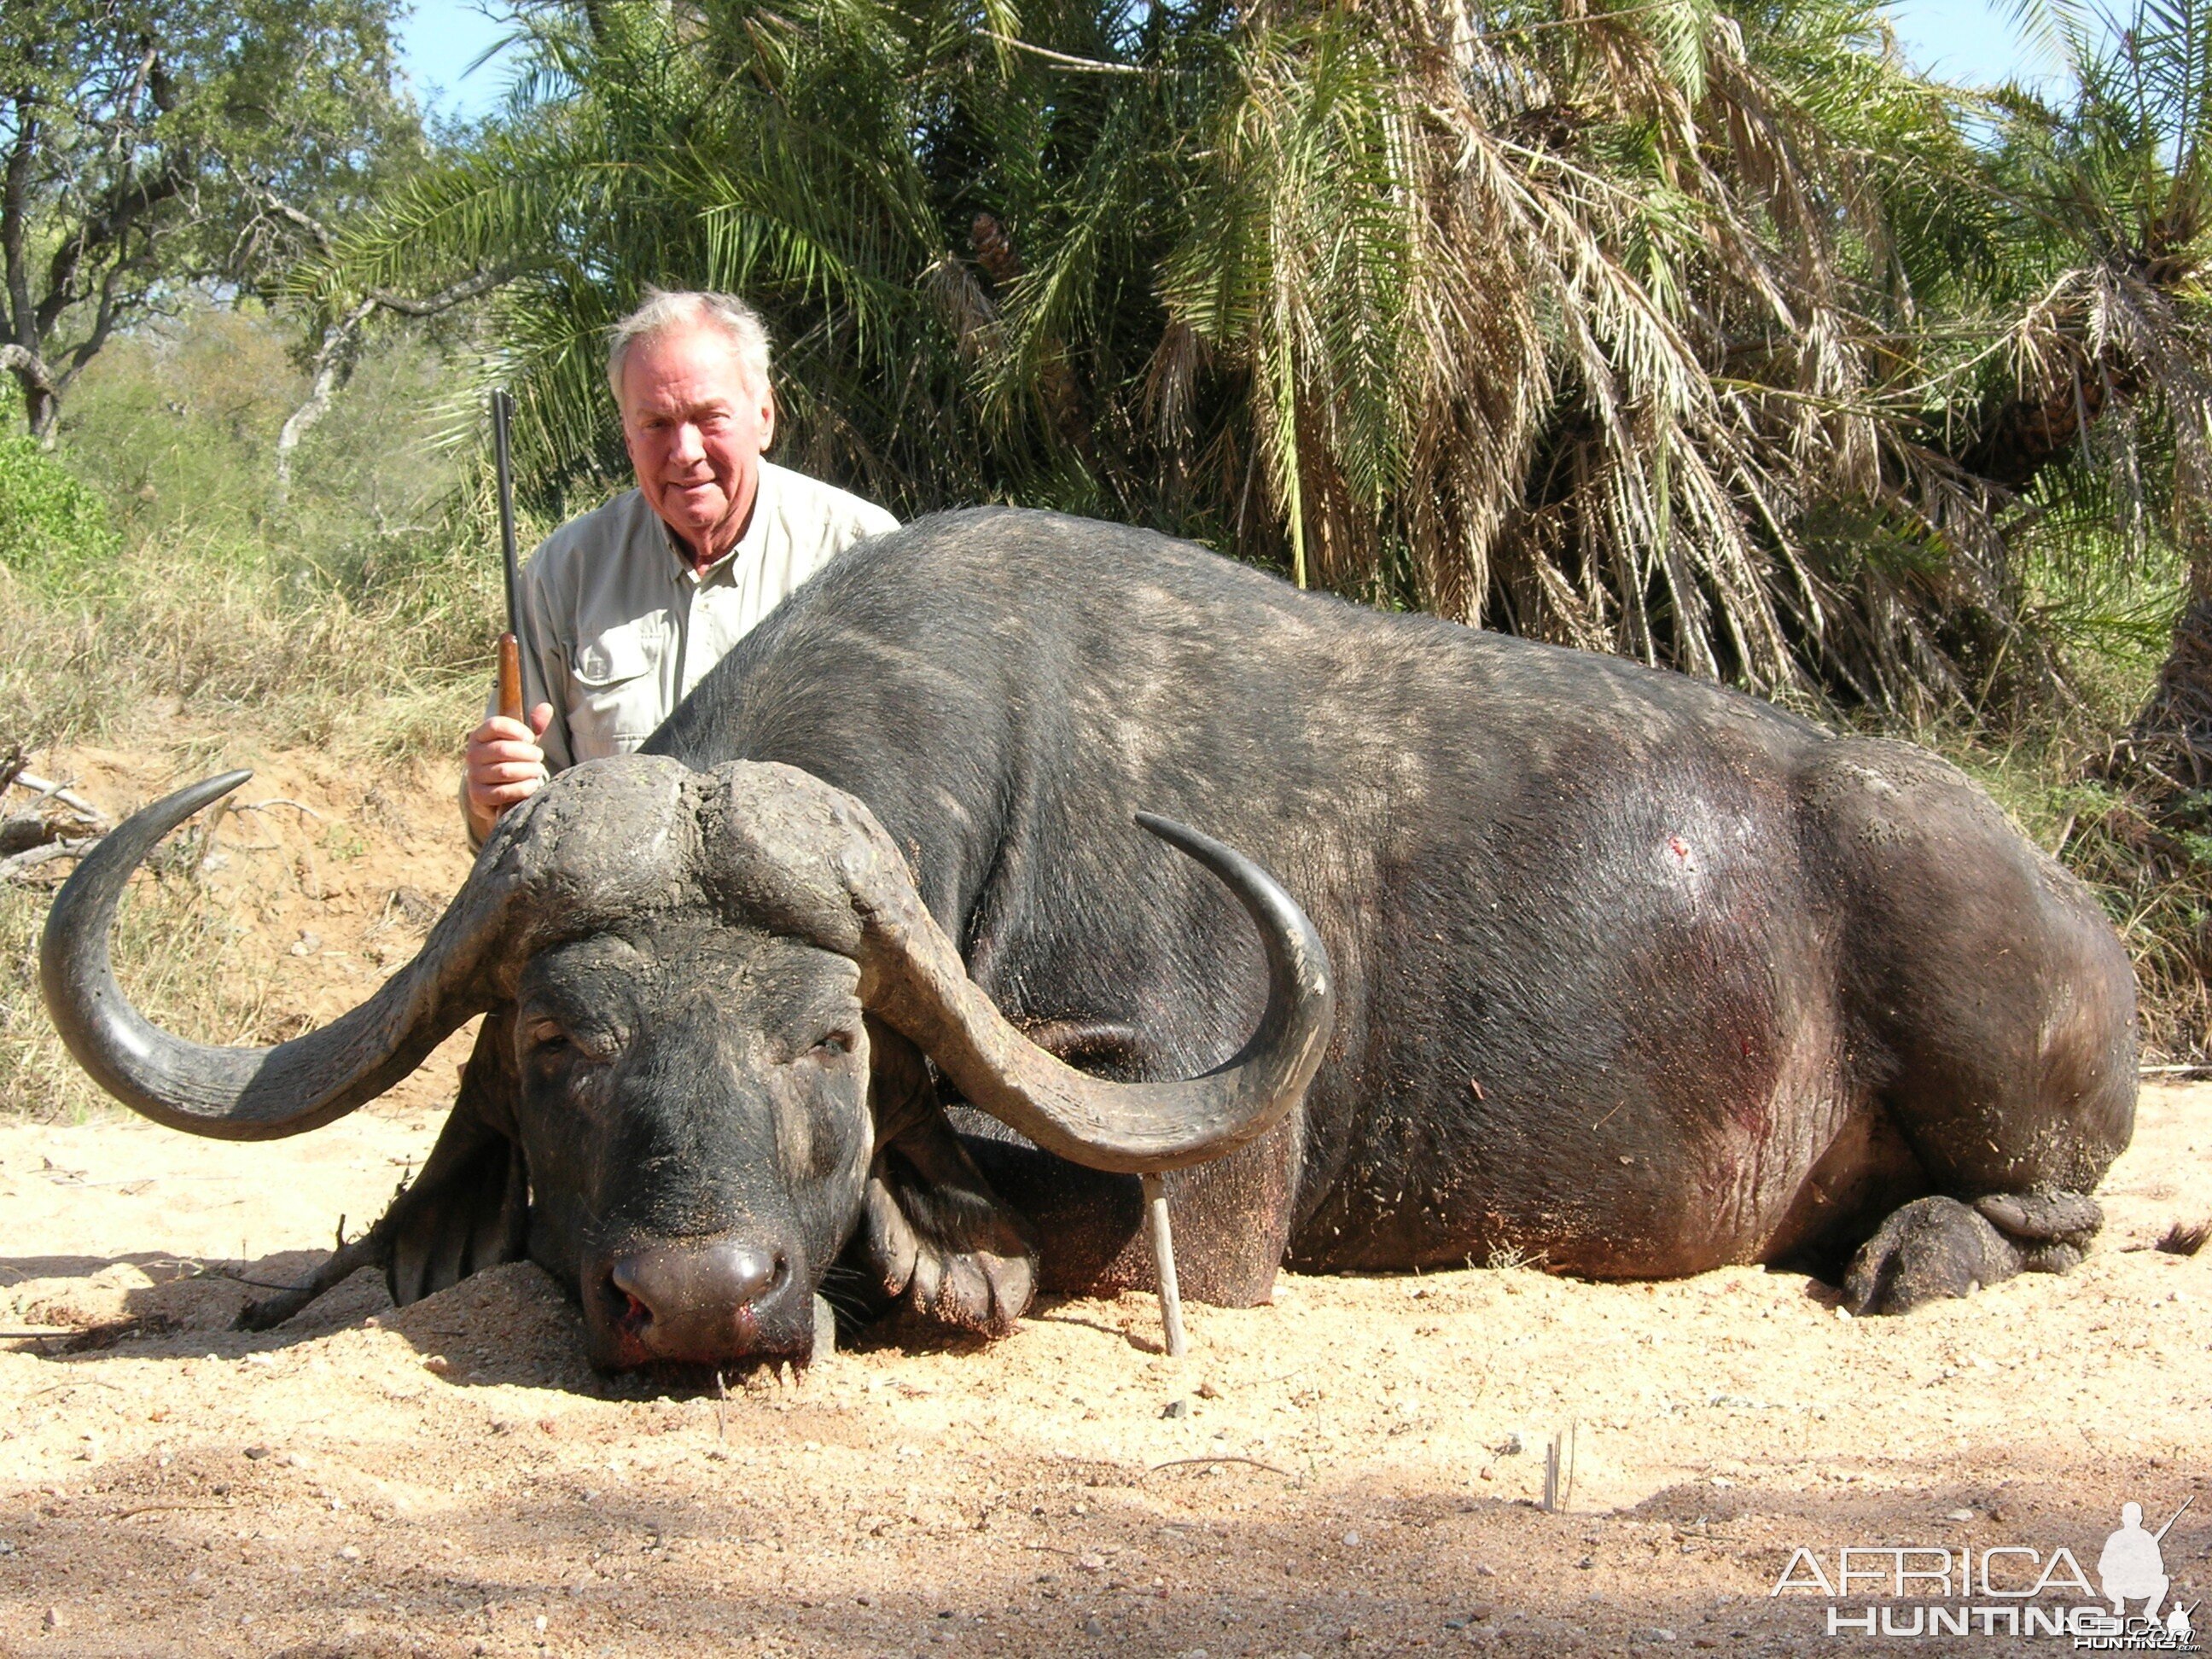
[{"x": 504, "y": 765}]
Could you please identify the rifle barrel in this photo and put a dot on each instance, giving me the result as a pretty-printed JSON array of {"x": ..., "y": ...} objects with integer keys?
[
  {"x": 510, "y": 645},
  {"x": 2160, "y": 1535},
  {"x": 502, "y": 410}
]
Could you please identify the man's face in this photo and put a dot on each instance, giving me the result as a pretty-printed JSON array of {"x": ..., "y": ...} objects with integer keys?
[{"x": 696, "y": 424}]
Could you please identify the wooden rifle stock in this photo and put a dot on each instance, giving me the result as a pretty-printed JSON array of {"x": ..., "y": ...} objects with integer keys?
[{"x": 510, "y": 677}]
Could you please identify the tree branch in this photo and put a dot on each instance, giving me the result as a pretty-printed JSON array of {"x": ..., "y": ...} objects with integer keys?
[
  {"x": 29, "y": 370},
  {"x": 15, "y": 214},
  {"x": 334, "y": 359},
  {"x": 103, "y": 325},
  {"x": 278, "y": 207},
  {"x": 333, "y": 367},
  {"x": 469, "y": 288},
  {"x": 101, "y": 229}
]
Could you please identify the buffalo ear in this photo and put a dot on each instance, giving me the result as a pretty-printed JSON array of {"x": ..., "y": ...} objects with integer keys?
[
  {"x": 933, "y": 1236},
  {"x": 901, "y": 1092},
  {"x": 470, "y": 1208}
]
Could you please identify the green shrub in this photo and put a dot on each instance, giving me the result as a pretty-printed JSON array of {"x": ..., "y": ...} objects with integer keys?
[
  {"x": 358, "y": 616},
  {"x": 51, "y": 524}
]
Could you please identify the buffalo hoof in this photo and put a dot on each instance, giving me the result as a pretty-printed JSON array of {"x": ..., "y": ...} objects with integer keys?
[
  {"x": 1931, "y": 1249},
  {"x": 2052, "y": 1229},
  {"x": 972, "y": 1278},
  {"x": 1937, "y": 1247}
]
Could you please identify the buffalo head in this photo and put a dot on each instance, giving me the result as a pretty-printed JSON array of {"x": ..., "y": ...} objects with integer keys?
[{"x": 708, "y": 994}]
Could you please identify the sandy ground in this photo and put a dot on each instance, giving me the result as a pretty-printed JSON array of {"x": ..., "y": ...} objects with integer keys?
[{"x": 1357, "y": 1468}]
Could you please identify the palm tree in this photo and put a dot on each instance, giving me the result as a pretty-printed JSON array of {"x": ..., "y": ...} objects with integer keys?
[
  {"x": 2122, "y": 184},
  {"x": 1699, "y": 335},
  {"x": 2104, "y": 419}
]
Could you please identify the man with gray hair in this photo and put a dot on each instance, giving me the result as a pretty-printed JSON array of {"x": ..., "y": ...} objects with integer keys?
[{"x": 625, "y": 609}]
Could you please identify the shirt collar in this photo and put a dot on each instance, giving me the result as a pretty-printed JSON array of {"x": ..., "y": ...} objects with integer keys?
[{"x": 748, "y": 547}]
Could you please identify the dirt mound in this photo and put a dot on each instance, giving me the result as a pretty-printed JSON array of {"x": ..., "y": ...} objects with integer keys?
[
  {"x": 308, "y": 885},
  {"x": 511, "y": 1324}
]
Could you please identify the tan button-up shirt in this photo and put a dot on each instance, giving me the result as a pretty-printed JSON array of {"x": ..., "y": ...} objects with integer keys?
[{"x": 617, "y": 627}]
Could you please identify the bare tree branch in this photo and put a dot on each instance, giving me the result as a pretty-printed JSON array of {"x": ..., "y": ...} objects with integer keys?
[
  {"x": 276, "y": 206},
  {"x": 29, "y": 368},
  {"x": 469, "y": 288},
  {"x": 46, "y": 789},
  {"x": 335, "y": 358},
  {"x": 12, "y": 868}
]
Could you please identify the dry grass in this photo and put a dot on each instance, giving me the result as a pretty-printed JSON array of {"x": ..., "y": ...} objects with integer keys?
[
  {"x": 231, "y": 648},
  {"x": 2186, "y": 1237},
  {"x": 179, "y": 955},
  {"x": 358, "y": 617}
]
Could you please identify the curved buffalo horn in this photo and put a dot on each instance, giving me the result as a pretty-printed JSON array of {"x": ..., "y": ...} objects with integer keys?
[
  {"x": 1141, "y": 1127},
  {"x": 802, "y": 856},
  {"x": 232, "y": 1094},
  {"x": 620, "y": 839},
  {"x": 603, "y": 840}
]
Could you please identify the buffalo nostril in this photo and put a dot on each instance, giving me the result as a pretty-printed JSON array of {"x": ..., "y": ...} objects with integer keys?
[
  {"x": 629, "y": 1289},
  {"x": 674, "y": 1296},
  {"x": 630, "y": 1314}
]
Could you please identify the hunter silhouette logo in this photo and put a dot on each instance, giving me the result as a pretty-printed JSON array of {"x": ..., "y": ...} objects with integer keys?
[
  {"x": 2007, "y": 1589},
  {"x": 2132, "y": 1564}
]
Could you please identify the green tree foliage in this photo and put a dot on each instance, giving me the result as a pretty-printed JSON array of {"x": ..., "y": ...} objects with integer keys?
[
  {"x": 1713, "y": 337},
  {"x": 49, "y": 522},
  {"x": 148, "y": 144},
  {"x": 2110, "y": 384}
]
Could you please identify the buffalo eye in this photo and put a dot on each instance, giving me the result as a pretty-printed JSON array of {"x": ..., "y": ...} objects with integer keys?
[
  {"x": 551, "y": 1042},
  {"x": 833, "y": 1045}
]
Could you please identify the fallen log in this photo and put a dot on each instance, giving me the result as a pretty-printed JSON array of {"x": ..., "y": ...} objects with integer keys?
[
  {"x": 45, "y": 789},
  {"x": 12, "y": 868}
]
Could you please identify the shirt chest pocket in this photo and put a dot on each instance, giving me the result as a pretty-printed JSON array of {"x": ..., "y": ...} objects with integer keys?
[{"x": 615, "y": 700}]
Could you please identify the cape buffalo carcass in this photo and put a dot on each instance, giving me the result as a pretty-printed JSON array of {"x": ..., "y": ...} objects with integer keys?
[{"x": 1633, "y": 975}]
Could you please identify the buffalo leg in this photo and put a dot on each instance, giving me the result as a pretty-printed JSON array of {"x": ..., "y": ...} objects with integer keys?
[
  {"x": 1231, "y": 1216},
  {"x": 1991, "y": 1011},
  {"x": 934, "y": 1236},
  {"x": 467, "y": 1210},
  {"x": 470, "y": 1208}
]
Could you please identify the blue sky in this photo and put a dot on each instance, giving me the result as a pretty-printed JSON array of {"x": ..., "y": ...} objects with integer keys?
[
  {"x": 438, "y": 42},
  {"x": 1967, "y": 40},
  {"x": 1970, "y": 41}
]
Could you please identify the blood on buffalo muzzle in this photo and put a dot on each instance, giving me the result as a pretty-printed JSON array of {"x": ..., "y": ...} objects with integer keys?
[{"x": 640, "y": 842}]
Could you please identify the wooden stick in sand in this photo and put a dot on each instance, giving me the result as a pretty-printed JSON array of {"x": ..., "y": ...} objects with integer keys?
[{"x": 1157, "y": 1234}]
